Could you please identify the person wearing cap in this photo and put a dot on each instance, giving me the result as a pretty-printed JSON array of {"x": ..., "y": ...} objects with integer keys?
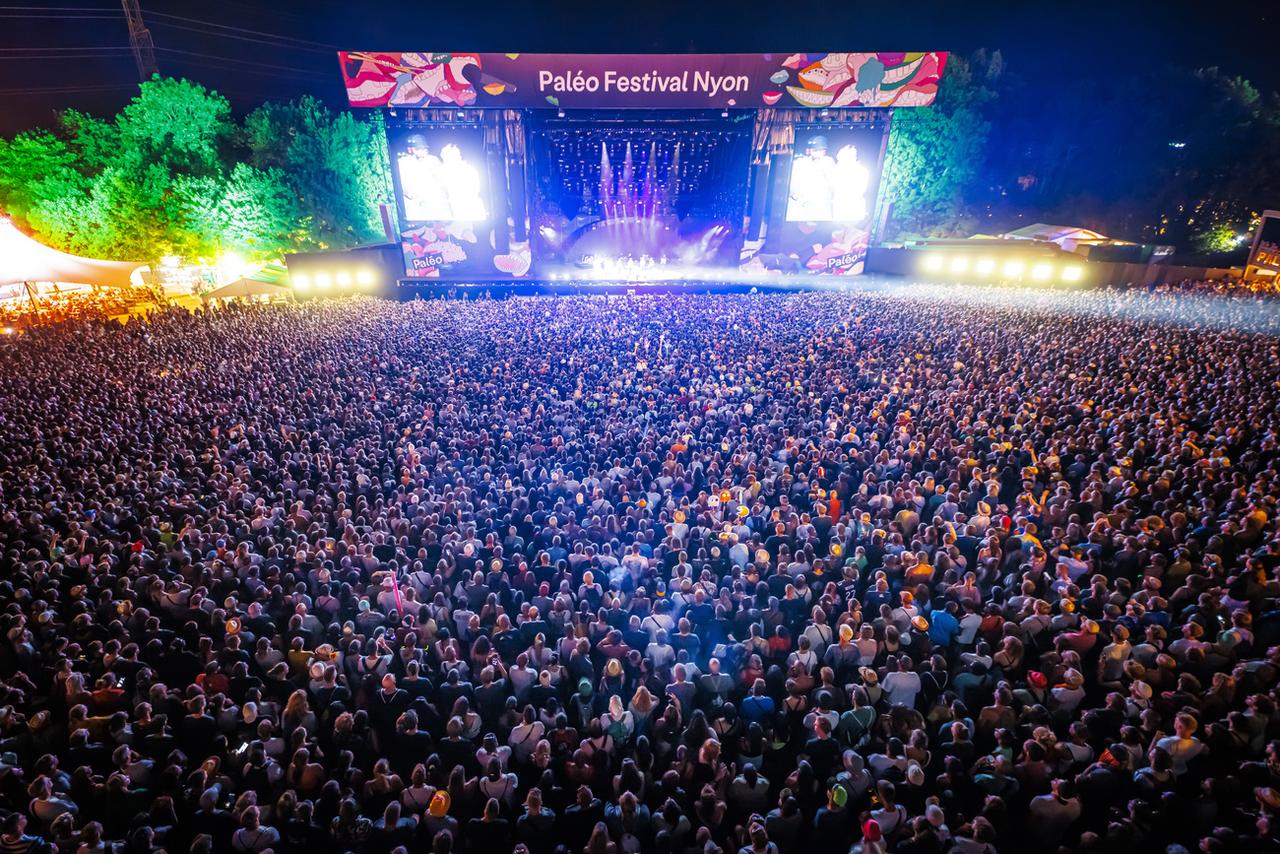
[
  {"x": 934, "y": 814},
  {"x": 1069, "y": 694},
  {"x": 438, "y": 818},
  {"x": 831, "y": 823},
  {"x": 872, "y": 839},
  {"x": 917, "y": 641}
]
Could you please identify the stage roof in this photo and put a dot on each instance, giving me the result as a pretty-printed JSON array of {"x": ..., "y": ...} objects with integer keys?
[
  {"x": 25, "y": 260},
  {"x": 641, "y": 81}
]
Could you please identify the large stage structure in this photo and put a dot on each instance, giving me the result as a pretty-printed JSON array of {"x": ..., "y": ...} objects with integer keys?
[{"x": 638, "y": 168}]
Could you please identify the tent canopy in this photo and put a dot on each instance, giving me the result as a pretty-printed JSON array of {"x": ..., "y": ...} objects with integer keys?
[
  {"x": 1051, "y": 233},
  {"x": 25, "y": 260},
  {"x": 248, "y": 288}
]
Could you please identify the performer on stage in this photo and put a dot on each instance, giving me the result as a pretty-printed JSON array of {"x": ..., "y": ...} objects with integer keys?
[
  {"x": 422, "y": 180},
  {"x": 812, "y": 179}
]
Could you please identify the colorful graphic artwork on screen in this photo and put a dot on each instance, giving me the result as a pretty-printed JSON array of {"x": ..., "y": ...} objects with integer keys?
[{"x": 640, "y": 81}]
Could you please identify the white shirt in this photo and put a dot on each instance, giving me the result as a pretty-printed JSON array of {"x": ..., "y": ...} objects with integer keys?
[
  {"x": 1181, "y": 751},
  {"x": 901, "y": 687},
  {"x": 969, "y": 625}
]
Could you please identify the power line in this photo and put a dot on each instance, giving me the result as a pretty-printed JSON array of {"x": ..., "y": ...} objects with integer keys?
[
  {"x": 92, "y": 13},
  {"x": 276, "y": 44},
  {"x": 115, "y": 53},
  {"x": 268, "y": 65},
  {"x": 77, "y": 17},
  {"x": 63, "y": 48},
  {"x": 61, "y": 90},
  {"x": 327, "y": 47},
  {"x": 274, "y": 13},
  {"x": 207, "y": 63}
]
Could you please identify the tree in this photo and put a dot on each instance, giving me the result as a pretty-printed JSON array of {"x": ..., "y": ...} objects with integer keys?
[
  {"x": 172, "y": 174},
  {"x": 177, "y": 124},
  {"x": 252, "y": 212},
  {"x": 332, "y": 162},
  {"x": 26, "y": 162},
  {"x": 936, "y": 153},
  {"x": 1219, "y": 238}
]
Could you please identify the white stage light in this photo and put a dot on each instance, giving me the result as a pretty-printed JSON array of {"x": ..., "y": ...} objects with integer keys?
[
  {"x": 985, "y": 266},
  {"x": 1041, "y": 272},
  {"x": 344, "y": 279},
  {"x": 365, "y": 278},
  {"x": 959, "y": 264},
  {"x": 301, "y": 281},
  {"x": 1013, "y": 269},
  {"x": 933, "y": 263},
  {"x": 1072, "y": 273},
  {"x": 323, "y": 280}
]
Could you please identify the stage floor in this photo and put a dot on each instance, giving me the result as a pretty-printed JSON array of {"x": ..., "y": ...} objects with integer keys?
[{"x": 743, "y": 285}]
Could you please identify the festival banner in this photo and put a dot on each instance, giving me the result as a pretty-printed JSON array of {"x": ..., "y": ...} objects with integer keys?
[{"x": 641, "y": 81}]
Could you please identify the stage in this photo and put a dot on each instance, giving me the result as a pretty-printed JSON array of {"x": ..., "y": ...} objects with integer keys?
[{"x": 551, "y": 173}]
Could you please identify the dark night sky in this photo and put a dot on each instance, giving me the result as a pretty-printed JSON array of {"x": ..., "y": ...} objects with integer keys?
[{"x": 1041, "y": 41}]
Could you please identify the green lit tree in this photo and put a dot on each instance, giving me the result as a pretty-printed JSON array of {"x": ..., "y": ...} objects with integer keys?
[
  {"x": 172, "y": 174},
  {"x": 332, "y": 163},
  {"x": 936, "y": 154},
  {"x": 176, "y": 124}
]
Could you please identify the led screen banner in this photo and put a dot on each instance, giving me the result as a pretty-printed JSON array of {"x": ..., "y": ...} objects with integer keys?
[
  {"x": 1266, "y": 245},
  {"x": 638, "y": 198},
  {"x": 829, "y": 206},
  {"x": 447, "y": 212},
  {"x": 641, "y": 81}
]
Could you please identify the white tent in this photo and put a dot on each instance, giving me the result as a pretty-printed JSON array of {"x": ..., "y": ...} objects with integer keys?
[
  {"x": 1069, "y": 237},
  {"x": 24, "y": 260},
  {"x": 248, "y": 288}
]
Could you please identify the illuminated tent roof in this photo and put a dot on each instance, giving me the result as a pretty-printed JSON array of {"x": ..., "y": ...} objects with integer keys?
[
  {"x": 1066, "y": 236},
  {"x": 248, "y": 288},
  {"x": 24, "y": 260}
]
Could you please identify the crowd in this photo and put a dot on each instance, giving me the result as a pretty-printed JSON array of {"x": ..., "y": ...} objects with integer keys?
[
  {"x": 18, "y": 311},
  {"x": 735, "y": 573},
  {"x": 1228, "y": 286}
]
